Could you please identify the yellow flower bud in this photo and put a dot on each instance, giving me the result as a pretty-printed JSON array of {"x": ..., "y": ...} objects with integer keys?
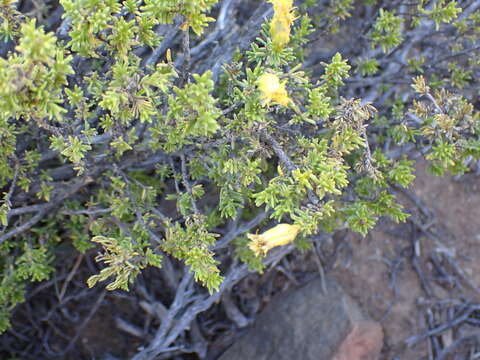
[
  {"x": 169, "y": 56},
  {"x": 281, "y": 22},
  {"x": 282, "y": 234},
  {"x": 273, "y": 90}
]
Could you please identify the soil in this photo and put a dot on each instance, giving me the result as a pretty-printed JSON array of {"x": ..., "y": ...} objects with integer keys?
[{"x": 381, "y": 277}]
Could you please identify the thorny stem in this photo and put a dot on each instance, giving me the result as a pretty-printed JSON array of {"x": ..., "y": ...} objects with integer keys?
[
  {"x": 175, "y": 180},
  {"x": 475, "y": 337},
  {"x": 8, "y": 197},
  {"x": 85, "y": 322},
  {"x": 277, "y": 148},
  {"x": 231, "y": 108},
  {"x": 44, "y": 210},
  {"x": 186, "y": 183},
  {"x": 435, "y": 104},
  {"x": 14, "y": 183},
  {"x": 283, "y": 157},
  {"x": 187, "y": 56},
  {"x": 415, "y": 339}
]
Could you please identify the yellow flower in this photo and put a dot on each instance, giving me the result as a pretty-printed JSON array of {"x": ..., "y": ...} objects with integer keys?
[
  {"x": 283, "y": 8},
  {"x": 273, "y": 90},
  {"x": 281, "y": 22},
  {"x": 280, "y": 32},
  {"x": 282, "y": 234}
]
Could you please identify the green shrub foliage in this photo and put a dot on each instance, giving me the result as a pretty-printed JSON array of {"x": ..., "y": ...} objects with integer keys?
[{"x": 102, "y": 146}]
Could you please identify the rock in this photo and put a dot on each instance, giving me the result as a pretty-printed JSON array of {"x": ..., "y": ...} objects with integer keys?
[
  {"x": 364, "y": 342},
  {"x": 306, "y": 324}
]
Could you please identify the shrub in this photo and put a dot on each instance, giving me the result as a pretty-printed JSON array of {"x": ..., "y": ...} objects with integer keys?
[{"x": 104, "y": 124}]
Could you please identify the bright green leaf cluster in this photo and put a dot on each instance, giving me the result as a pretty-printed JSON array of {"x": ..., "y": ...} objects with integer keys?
[{"x": 387, "y": 30}]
